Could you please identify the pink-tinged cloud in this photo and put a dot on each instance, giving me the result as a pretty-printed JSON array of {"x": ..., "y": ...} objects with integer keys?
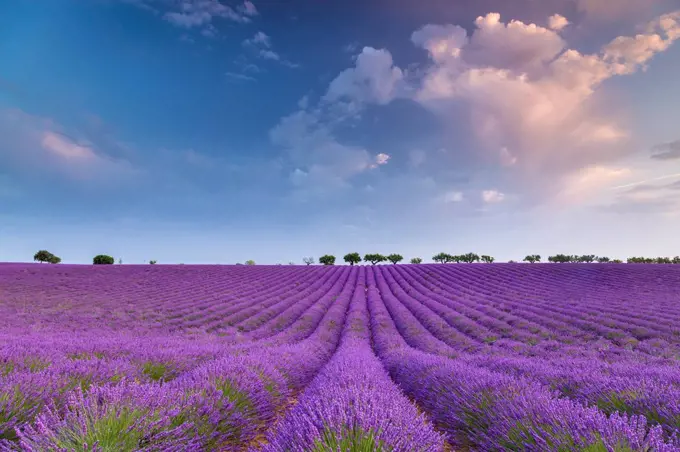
[
  {"x": 492, "y": 196},
  {"x": 64, "y": 147},
  {"x": 557, "y": 22},
  {"x": 531, "y": 96},
  {"x": 373, "y": 79},
  {"x": 38, "y": 144}
]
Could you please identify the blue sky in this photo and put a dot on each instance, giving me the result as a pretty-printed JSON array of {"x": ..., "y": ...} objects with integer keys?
[{"x": 199, "y": 131}]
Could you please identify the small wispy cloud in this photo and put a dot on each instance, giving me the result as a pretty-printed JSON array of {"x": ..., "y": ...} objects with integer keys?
[
  {"x": 65, "y": 147},
  {"x": 646, "y": 181},
  {"x": 241, "y": 77},
  {"x": 453, "y": 197},
  {"x": 261, "y": 44},
  {"x": 667, "y": 151},
  {"x": 492, "y": 196}
]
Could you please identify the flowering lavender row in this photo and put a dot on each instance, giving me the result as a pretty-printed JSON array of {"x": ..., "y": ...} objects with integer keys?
[{"x": 353, "y": 402}]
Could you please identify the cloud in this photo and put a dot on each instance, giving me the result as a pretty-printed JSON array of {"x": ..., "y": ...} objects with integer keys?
[
  {"x": 32, "y": 143},
  {"x": 453, "y": 196},
  {"x": 241, "y": 77},
  {"x": 261, "y": 44},
  {"x": 381, "y": 159},
  {"x": 260, "y": 38},
  {"x": 667, "y": 151},
  {"x": 588, "y": 182},
  {"x": 557, "y": 22},
  {"x": 65, "y": 147},
  {"x": 492, "y": 196},
  {"x": 526, "y": 92},
  {"x": 322, "y": 162},
  {"x": 248, "y": 9},
  {"x": 373, "y": 79},
  {"x": 190, "y": 14}
]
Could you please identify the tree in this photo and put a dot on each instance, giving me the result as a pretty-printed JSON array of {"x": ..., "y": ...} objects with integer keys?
[
  {"x": 487, "y": 259},
  {"x": 43, "y": 256},
  {"x": 532, "y": 258},
  {"x": 562, "y": 259},
  {"x": 586, "y": 259},
  {"x": 416, "y": 260},
  {"x": 395, "y": 258},
  {"x": 308, "y": 260},
  {"x": 54, "y": 260},
  {"x": 250, "y": 262},
  {"x": 469, "y": 258},
  {"x": 352, "y": 258},
  {"x": 102, "y": 259},
  {"x": 676, "y": 260},
  {"x": 617, "y": 261},
  {"x": 374, "y": 258},
  {"x": 602, "y": 259},
  {"x": 327, "y": 259},
  {"x": 442, "y": 258},
  {"x": 152, "y": 262}
]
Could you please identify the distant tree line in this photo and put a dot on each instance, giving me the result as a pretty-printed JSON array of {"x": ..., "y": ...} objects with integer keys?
[{"x": 441, "y": 258}]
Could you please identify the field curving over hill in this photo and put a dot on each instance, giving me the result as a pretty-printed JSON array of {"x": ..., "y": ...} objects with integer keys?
[{"x": 443, "y": 357}]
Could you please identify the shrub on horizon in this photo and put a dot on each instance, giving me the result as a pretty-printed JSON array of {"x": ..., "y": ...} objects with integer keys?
[
  {"x": 46, "y": 256},
  {"x": 327, "y": 259},
  {"x": 352, "y": 258},
  {"x": 395, "y": 258},
  {"x": 102, "y": 259},
  {"x": 416, "y": 260}
]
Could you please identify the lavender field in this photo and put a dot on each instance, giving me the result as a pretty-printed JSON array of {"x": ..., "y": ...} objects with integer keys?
[{"x": 516, "y": 357}]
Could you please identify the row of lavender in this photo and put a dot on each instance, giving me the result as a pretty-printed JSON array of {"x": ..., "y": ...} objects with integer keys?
[{"x": 497, "y": 359}]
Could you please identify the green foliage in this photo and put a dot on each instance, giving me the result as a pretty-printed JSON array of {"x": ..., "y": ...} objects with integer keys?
[
  {"x": 353, "y": 439},
  {"x": 308, "y": 260},
  {"x": 250, "y": 262},
  {"x": 654, "y": 260},
  {"x": 352, "y": 258},
  {"x": 395, "y": 258},
  {"x": 443, "y": 258},
  {"x": 586, "y": 259},
  {"x": 374, "y": 258},
  {"x": 532, "y": 258},
  {"x": 560, "y": 259},
  {"x": 238, "y": 397},
  {"x": 469, "y": 258},
  {"x": 158, "y": 371},
  {"x": 46, "y": 256},
  {"x": 152, "y": 262},
  {"x": 617, "y": 261},
  {"x": 416, "y": 260},
  {"x": 487, "y": 259},
  {"x": 602, "y": 259},
  {"x": 113, "y": 431},
  {"x": 327, "y": 259},
  {"x": 102, "y": 259}
]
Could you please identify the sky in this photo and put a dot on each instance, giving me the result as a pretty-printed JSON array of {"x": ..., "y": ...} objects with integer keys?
[{"x": 206, "y": 131}]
